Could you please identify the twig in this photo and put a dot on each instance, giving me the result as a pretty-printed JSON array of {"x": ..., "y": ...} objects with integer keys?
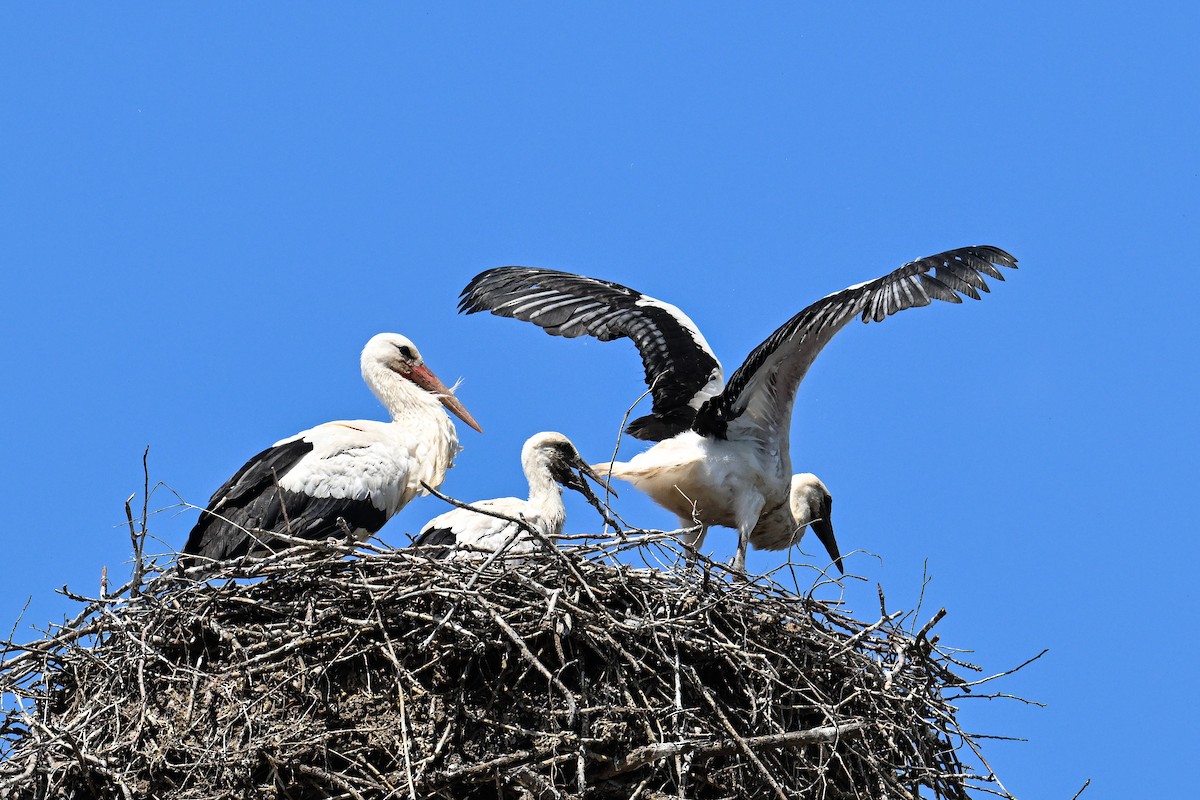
[
  {"x": 650, "y": 753},
  {"x": 1018, "y": 667}
]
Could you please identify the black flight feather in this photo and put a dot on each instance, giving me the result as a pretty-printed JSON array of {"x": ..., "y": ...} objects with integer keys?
[
  {"x": 677, "y": 366},
  {"x": 251, "y": 505},
  {"x": 944, "y": 276}
]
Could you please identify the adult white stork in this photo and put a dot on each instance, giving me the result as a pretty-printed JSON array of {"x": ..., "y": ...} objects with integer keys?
[
  {"x": 550, "y": 462},
  {"x": 340, "y": 478},
  {"x": 723, "y": 455}
]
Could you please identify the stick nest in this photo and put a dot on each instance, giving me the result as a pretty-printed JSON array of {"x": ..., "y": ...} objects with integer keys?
[{"x": 563, "y": 675}]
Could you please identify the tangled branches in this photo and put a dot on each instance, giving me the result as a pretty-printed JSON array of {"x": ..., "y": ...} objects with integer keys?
[{"x": 564, "y": 675}]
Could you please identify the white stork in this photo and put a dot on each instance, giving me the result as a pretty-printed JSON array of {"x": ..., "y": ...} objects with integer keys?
[
  {"x": 340, "y": 478},
  {"x": 550, "y": 461},
  {"x": 723, "y": 455}
]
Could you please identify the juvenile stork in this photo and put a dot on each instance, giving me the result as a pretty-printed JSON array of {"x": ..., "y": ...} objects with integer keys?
[
  {"x": 550, "y": 462},
  {"x": 723, "y": 455},
  {"x": 340, "y": 478}
]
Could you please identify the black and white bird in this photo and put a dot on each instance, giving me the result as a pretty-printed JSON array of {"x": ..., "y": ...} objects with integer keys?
[
  {"x": 340, "y": 478},
  {"x": 550, "y": 462},
  {"x": 723, "y": 455}
]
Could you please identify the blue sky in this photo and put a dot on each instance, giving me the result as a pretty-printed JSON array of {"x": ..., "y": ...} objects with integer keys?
[{"x": 207, "y": 211}]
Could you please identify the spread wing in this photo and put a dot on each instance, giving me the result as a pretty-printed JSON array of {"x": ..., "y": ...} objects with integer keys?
[
  {"x": 757, "y": 402},
  {"x": 680, "y": 367}
]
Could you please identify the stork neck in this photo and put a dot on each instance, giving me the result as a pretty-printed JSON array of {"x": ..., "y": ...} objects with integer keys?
[
  {"x": 401, "y": 397},
  {"x": 544, "y": 491}
]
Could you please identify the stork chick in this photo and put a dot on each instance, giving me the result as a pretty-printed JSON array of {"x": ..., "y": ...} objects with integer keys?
[{"x": 550, "y": 462}]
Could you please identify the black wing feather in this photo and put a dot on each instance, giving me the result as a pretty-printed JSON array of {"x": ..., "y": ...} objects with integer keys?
[
  {"x": 677, "y": 366},
  {"x": 251, "y": 505},
  {"x": 438, "y": 541},
  {"x": 260, "y": 471},
  {"x": 944, "y": 276}
]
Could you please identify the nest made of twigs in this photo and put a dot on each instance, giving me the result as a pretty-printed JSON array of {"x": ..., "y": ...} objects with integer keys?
[{"x": 562, "y": 675}]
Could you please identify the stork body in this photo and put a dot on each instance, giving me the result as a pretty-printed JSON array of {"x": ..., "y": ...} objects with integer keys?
[
  {"x": 723, "y": 453},
  {"x": 705, "y": 480},
  {"x": 547, "y": 459},
  {"x": 722, "y": 482},
  {"x": 343, "y": 478}
]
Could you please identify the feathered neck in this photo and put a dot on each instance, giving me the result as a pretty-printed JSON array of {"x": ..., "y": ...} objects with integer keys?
[
  {"x": 401, "y": 397},
  {"x": 543, "y": 489}
]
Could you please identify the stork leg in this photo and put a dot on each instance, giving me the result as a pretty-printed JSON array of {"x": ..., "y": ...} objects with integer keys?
[
  {"x": 748, "y": 510},
  {"x": 739, "y": 558},
  {"x": 692, "y": 541}
]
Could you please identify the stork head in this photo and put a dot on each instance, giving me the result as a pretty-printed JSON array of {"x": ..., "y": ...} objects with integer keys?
[
  {"x": 560, "y": 457},
  {"x": 398, "y": 354},
  {"x": 812, "y": 505}
]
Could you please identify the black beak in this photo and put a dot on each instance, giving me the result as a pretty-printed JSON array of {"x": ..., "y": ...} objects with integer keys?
[
  {"x": 824, "y": 532},
  {"x": 823, "y": 528},
  {"x": 572, "y": 475}
]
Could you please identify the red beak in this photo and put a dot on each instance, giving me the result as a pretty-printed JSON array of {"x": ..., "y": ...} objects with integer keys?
[{"x": 423, "y": 377}]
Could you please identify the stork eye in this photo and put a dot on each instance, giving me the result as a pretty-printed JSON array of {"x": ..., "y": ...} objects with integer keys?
[{"x": 406, "y": 351}]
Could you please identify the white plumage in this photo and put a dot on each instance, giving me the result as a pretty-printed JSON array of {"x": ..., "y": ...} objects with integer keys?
[
  {"x": 548, "y": 460},
  {"x": 723, "y": 453},
  {"x": 340, "y": 478}
]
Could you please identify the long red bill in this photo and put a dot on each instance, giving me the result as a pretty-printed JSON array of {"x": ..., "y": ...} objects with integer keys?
[{"x": 422, "y": 376}]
